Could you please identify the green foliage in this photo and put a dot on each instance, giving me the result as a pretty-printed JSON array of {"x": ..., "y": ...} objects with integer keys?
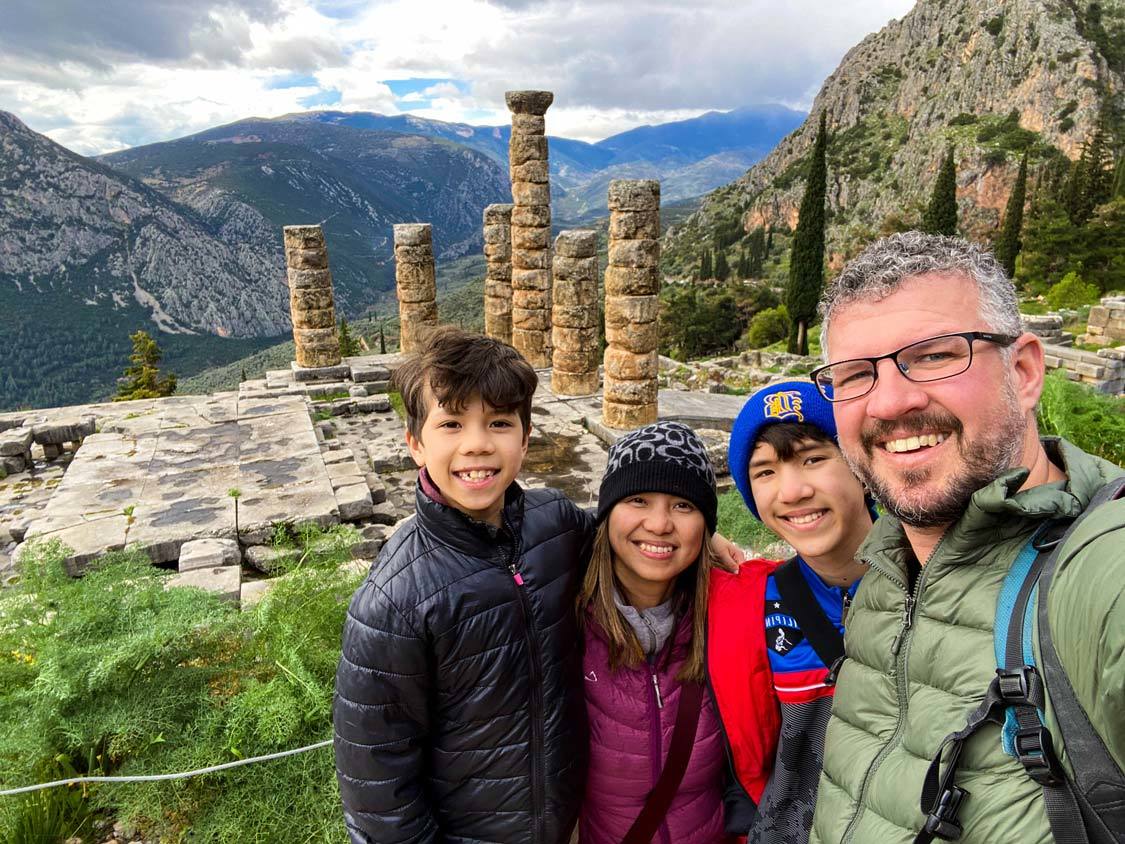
[
  {"x": 757, "y": 257},
  {"x": 142, "y": 377},
  {"x": 115, "y": 674},
  {"x": 695, "y": 322},
  {"x": 741, "y": 528},
  {"x": 963, "y": 119},
  {"x": 705, "y": 270},
  {"x": 1072, "y": 292},
  {"x": 806, "y": 266},
  {"x": 349, "y": 345},
  {"x": 940, "y": 216},
  {"x": 1055, "y": 246},
  {"x": 1091, "y": 420},
  {"x": 767, "y": 327},
  {"x": 1091, "y": 177},
  {"x": 994, "y": 24},
  {"x": 722, "y": 268},
  {"x": 1007, "y": 244}
]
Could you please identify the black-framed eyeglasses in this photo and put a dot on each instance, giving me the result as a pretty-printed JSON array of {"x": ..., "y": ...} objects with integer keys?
[{"x": 926, "y": 360}]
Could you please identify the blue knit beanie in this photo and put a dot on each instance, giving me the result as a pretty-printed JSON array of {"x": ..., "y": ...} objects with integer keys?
[{"x": 789, "y": 401}]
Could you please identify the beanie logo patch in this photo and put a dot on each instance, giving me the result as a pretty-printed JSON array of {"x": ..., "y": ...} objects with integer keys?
[{"x": 785, "y": 404}]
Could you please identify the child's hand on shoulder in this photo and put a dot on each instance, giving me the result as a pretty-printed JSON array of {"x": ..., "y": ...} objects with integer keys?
[{"x": 728, "y": 556}]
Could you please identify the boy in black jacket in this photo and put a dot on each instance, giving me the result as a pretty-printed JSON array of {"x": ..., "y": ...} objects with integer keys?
[{"x": 458, "y": 713}]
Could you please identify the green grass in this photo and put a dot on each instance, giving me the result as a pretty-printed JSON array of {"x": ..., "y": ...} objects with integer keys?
[
  {"x": 1091, "y": 420},
  {"x": 114, "y": 674}
]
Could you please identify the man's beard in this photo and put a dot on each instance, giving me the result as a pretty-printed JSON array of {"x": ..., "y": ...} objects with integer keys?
[{"x": 982, "y": 462}]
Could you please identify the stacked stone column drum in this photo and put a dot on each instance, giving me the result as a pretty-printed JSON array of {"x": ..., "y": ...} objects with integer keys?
[
  {"x": 311, "y": 302},
  {"x": 498, "y": 275},
  {"x": 414, "y": 284},
  {"x": 632, "y": 285},
  {"x": 574, "y": 314},
  {"x": 531, "y": 225}
]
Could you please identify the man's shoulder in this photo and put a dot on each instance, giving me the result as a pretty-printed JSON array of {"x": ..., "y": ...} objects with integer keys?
[{"x": 1093, "y": 556}]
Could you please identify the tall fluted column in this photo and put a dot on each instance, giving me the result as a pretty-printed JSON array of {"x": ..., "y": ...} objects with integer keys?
[
  {"x": 312, "y": 305},
  {"x": 531, "y": 225},
  {"x": 498, "y": 275},
  {"x": 414, "y": 284},
  {"x": 574, "y": 314},
  {"x": 632, "y": 285}
]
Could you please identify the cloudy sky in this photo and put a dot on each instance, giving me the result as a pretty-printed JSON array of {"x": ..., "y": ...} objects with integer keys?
[{"x": 101, "y": 75}]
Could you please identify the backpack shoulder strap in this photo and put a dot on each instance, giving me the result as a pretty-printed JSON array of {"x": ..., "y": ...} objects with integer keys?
[
  {"x": 800, "y": 601},
  {"x": 1098, "y": 784}
]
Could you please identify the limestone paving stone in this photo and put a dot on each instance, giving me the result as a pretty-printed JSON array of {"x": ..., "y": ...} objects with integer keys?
[
  {"x": 224, "y": 580},
  {"x": 316, "y": 374},
  {"x": 364, "y": 375},
  {"x": 209, "y": 553},
  {"x": 268, "y": 558},
  {"x": 16, "y": 442},
  {"x": 63, "y": 431},
  {"x": 384, "y": 513},
  {"x": 354, "y": 501}
]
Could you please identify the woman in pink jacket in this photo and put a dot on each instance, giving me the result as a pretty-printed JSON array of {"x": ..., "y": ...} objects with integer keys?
[{"x": 656, "y": 750}]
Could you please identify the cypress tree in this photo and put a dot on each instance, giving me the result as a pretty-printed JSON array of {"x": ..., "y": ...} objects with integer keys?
[
  {"x": 806, "y": 261},
  {"x": 1008, "y": 242},
  {"x": 349, "y": 347},
  {"x": 757, "y": 253},
  {"x": 722, "y": 268},
  {"x": 1091, "y": 179},
  {"x": 941, "y": 213},
  {"x": 705, "y": 265},
  {"x": 769, "y": 242}
]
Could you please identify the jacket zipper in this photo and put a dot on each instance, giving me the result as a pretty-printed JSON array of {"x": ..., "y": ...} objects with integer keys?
[
  {"x": 900, "y": 650},
  {"x": 656, "y": 703},
  {"x": 538, "y": 772}
]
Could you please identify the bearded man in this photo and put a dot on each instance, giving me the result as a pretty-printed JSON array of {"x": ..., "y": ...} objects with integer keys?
[{"x": 934, "y": 387}]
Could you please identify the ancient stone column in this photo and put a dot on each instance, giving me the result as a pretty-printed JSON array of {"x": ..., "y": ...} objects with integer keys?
[
  {"x": 311, "y": 303},
  {"x": 531, "y": 226},
  {"x": 414, "y": 284},
  {"x": 574, "y": 314},
  {"x": 632, "y": 282},
  {"x": 498, "y": 275}
]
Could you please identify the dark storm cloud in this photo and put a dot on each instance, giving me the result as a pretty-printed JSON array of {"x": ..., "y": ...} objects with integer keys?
[{"x": 100, "y": 34}]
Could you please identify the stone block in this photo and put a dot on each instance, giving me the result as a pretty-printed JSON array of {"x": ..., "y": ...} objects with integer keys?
[
  {"x": 626, "y": 417},
  {"x": 303, "y": 237},
  {"x": 364, "y": 374},
  {"x": 1052, "y": 361},
  {"x": 575, "y": 269},
  {"x": 570, "y": 293},
  {"x": 62, "y": 431},
  {"x": 580, "y": 360},
  {"x": 530, "y": 193},
  {"x": 631, "y": 281},
  {"x": 499, "y": 213},
  {"x": 418, "y": 311},
  {"x": 319, "y": 374},
  {"x": 578, "y": 316},
  {"x": 309, "y": 279},
  {"x": 52, "y": 452},
  {"x": 577, "y": 243},
  {"x": 529, "y": 124},
  {"x": 497, "y": 236},
  {"x": 380, "y": 403},
  {"x": 634, "y": 253},
  {"x": 9, "y": 424},
  {"x": 1099, "y": 316},
  {"x": 415, "y": 294},
  {"x": 535, "y": 171},
  {"x": 311, "y": 298},
  {"x": 376, "y": 486},
  {"x": 15, "y": 442},
  {"x": 316, "y": 347},
  {"x": 621, "y": 311},
  {"x": 499, "y": 257},
  {"x": 357, "y": 391},
  {"x": 524, "y": 148},
  {"x": 621, "y": 364},
  {"x": 392, "y": 457},
  {"x": 13, "y": 463},
  {"x": 634, "y": 225},
  {"x": 307, "y": 259},
  {"x": 533, "y": 239},
  {"x": 533, "y": 345},
  {"x": 531, "y": 279},
  {"x": 637, "y": 337},
  {"x": 629, "y": 392},
  {"x": 384, "y": 513},
  {"x": 344, "y": 473},
  {"x": 1090, "y": 370},
  {"x": 531, "y": 300},
  {"x": 574, "y": 383},
  {"x": 226, "y": 581},
  {"x": 413, "y": 234},
  {"x": 268, "y": 559},
  {"x": 529, "y": 102},
  {"x": 527, "y": 320},
  {"x": 253, "y": 591},
  {"x": 1112, "y": 354},
  {"x": 634, "y": 195},
  {"x": 209, "y": 553},
  {"x": 419, "y": 275},
  {"x": 354, "y": 501},
  {"x": 575, "y": 339},
  {"x": 423, "y": 255},
  {"x": 324, "y": 318},
  {"x": 531, "y": 215}
]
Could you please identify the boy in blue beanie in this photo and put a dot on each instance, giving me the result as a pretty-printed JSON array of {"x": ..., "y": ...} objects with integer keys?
[{"x": 788, "y": 467}]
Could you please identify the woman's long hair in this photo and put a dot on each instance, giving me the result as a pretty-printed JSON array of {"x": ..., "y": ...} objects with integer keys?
[{"x": 690, "y": 590}]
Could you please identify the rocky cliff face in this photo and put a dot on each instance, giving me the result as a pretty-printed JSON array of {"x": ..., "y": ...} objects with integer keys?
[
  {"x": 73, "y": 226},
  {"x": 994, "y": 80}
]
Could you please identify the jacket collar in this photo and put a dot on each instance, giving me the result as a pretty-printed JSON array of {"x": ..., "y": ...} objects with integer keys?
[
  {"x": 463, "y": 532},
  {"x": 999, "y": 512}
]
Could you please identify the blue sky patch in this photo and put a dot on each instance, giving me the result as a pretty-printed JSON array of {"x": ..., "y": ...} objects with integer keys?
[
  {"x": 292, "y": 80},
  {"x": 402, "y": 87},
  {"x": 327, "y": 97}
]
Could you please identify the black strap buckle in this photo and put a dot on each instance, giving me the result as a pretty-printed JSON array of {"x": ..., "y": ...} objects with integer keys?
[
  {"x": 942, "y": 821},
  {"x": 1019, "y": 686},
  {"x": 1036, "y": 752}
]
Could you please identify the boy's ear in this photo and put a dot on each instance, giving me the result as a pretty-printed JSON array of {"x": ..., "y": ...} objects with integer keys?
[
  {"x": 417, "y": 450},
  {"x": 526, "y": 440}
]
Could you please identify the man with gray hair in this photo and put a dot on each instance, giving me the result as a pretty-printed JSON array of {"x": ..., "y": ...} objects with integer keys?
[{"x": 934, "y": 387}]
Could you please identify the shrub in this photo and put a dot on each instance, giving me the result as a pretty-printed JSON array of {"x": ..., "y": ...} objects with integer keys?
[
  {"x": 767, "y": 327},
  {"x": 1091, "y": 420},
  {"x": 1072, "y": 292}
]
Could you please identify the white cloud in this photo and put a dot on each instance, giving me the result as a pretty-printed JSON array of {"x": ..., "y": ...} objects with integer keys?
[{"x": 613, "y": 64}]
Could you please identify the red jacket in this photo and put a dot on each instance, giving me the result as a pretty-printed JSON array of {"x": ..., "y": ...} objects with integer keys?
[{"x": 739, "y": 672}]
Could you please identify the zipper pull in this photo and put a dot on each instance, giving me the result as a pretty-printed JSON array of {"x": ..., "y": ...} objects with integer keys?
[
  {"x": 656, "y": 686},
  {"x": 907, "y": 623},
  {"x": 515, "y": 575},
  {"x": 846, "y": 605}
]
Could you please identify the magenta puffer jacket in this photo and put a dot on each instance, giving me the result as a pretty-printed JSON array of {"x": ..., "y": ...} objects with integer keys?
[{"x": 630, "y": 731}]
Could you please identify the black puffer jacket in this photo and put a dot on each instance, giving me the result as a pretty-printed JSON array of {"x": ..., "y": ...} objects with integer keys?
[{"x": 459, "y": 714}]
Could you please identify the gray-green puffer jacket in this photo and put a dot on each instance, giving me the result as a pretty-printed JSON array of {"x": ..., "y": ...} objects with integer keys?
[{"x": 913, "y": 675}]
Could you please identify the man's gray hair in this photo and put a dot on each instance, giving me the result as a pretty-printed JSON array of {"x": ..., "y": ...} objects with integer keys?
[{"x": 883, "y": 266}]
